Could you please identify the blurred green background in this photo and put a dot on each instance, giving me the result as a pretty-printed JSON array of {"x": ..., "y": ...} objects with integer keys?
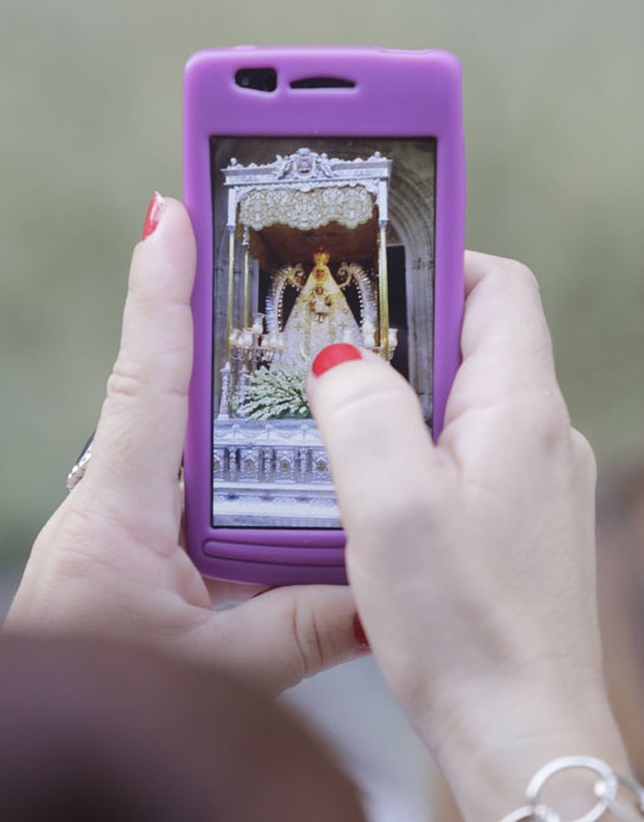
[{"x": 90, "y": 126}]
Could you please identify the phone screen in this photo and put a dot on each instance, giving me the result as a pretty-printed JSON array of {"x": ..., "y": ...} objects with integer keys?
[{"x": 316, "y": 241}]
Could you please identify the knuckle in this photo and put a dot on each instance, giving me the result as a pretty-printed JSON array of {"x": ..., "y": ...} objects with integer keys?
[
  {"x": 584, "y": 455},
  {"x": 514, "y": 273},
  {"x": 550, "y": 418},
  {"x": 308, "y": 639},
  {"x": 76, "y": 562},
  {"x": 78, "y": 551},
  {"x": 125, "y": 379},
  {"x": 522, "y": 271}
]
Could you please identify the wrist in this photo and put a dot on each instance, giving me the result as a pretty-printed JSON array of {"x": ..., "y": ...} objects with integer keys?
[{"x": 491, "y": 749}]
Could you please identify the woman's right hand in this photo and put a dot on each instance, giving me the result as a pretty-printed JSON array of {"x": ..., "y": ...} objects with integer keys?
[
  {"x": 110, "y": 562},
  {"x": 472, "y": 561}
]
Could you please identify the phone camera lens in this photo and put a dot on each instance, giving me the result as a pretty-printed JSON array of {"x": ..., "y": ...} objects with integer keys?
[{"x": 259, "y": 79}]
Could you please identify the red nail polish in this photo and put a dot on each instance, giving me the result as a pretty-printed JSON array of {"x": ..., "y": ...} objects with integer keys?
[
  {"x": 334, "y": 355},
  {"x": 361, "y": 638},
  {"x": 153, "y": 214}
]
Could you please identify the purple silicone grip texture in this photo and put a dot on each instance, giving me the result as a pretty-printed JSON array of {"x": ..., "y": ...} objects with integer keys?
[{"x": 397, "y": 94}]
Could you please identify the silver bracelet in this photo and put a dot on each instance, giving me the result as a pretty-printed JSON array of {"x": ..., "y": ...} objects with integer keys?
[{"x": 620, "y": 795}]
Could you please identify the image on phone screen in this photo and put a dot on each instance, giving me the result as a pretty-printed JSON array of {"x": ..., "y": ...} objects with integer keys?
[{"x": 316, "y": 241}]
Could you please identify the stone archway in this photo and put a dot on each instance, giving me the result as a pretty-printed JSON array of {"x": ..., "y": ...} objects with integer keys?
[{"x": 412, "y": 218}]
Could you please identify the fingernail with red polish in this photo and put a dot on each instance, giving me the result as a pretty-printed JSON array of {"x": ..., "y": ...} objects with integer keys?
[
  {"x": 153, "y": 214},
  {"x": 361, "y": 638},
  {"x": 334, "y": 355}
]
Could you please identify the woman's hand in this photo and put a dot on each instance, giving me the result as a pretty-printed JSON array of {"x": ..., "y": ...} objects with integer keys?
[
  {"x": 110, "y": 561},
  {"x": 472, "y": 561}
]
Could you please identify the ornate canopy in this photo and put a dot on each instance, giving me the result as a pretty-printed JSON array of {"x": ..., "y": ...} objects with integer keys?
[{"x": 307, "y": 190}]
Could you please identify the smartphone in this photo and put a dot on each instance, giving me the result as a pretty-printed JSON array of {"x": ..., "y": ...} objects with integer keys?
[{"x": 326, "y": 187}]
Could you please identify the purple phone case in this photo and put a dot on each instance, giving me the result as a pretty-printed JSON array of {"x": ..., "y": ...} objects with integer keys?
[{"x": 397, "y": 94}]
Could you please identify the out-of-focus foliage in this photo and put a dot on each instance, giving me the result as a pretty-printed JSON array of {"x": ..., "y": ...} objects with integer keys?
[{"x": 90, "y": 126}]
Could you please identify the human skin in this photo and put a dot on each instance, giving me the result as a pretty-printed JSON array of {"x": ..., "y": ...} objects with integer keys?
[
  {"x": 110, "y": 560},
  {"x": 472, "y": 560},
  {"x": 620, "y": 590}
]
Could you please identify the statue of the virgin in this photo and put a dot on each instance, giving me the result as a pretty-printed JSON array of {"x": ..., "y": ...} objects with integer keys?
[{"x": 320, "y": 316}]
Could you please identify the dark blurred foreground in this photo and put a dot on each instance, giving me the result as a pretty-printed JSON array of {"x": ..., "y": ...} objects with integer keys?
[{"x": 95, "y": 731}]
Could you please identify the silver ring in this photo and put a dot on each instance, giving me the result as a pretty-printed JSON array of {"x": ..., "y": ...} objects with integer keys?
[{"x": 78, "y": 471}]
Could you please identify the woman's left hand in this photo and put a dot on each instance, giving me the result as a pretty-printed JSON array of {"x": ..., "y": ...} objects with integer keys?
[{"x": 110, "y": 560}]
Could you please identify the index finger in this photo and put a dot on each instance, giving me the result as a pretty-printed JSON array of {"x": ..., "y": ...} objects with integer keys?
[{"x": 139, "y": 438}]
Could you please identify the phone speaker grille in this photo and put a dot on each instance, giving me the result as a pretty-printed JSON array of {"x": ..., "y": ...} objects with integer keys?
[{"x": 322, "y": 82}]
